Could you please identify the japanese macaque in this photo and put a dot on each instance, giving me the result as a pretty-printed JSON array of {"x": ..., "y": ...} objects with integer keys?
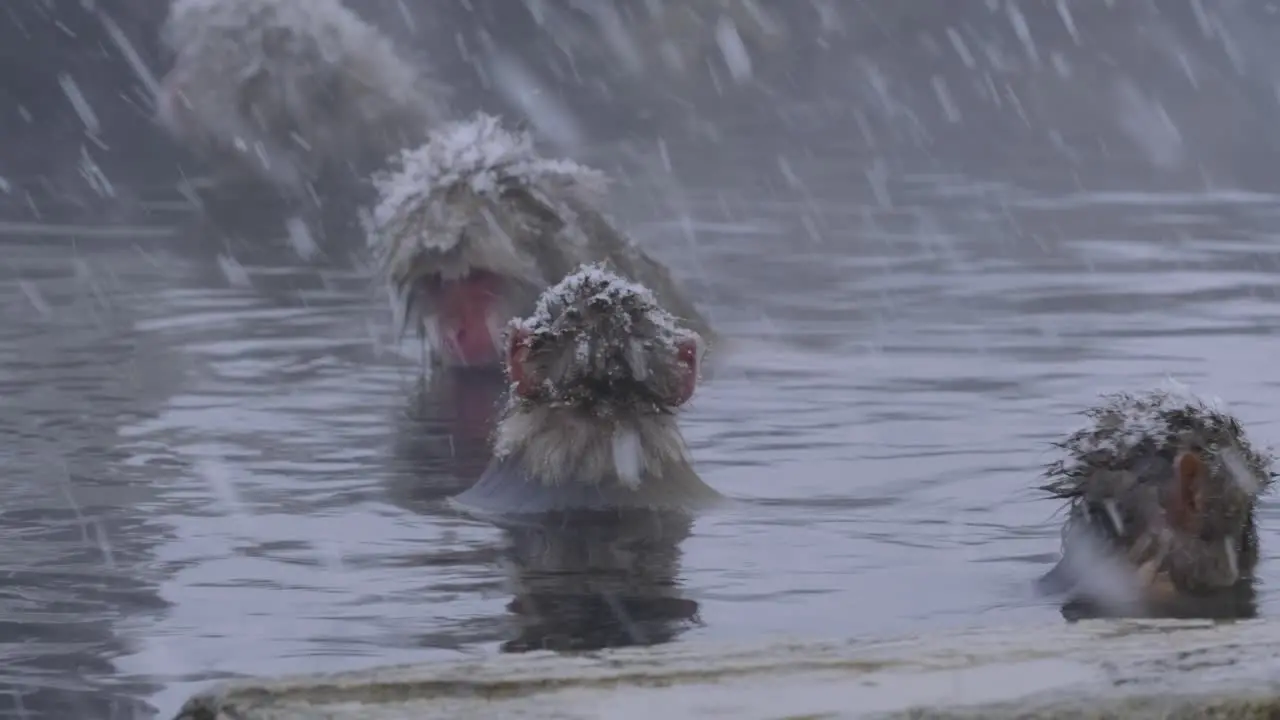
[
  {"x": 598, "y": 373},
  {"x": 1161, "y": 490},
  {"x": 284, "y": 91},
  {"x": 595, "y": 580},
  {"x": 474, "y": 225}
]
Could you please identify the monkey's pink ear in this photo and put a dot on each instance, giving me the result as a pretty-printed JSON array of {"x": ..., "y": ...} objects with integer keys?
[
  {"x": 517, "y": 357},
  {"x": 1187, "y": 499},
  {"x": 689, "y": 355}
]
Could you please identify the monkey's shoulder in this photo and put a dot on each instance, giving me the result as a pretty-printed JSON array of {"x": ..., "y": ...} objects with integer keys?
[{"x": 508, "y": 487}]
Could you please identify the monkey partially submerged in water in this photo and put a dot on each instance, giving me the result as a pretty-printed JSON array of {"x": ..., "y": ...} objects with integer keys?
[
  {"x": 1161, "y": 490},
  {"x": 474, "y": 225},
  {"x": 598, "y": 373},
  {"x": 283, "y": 92}
]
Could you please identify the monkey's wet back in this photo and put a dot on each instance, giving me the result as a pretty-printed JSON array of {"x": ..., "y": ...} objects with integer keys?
[{"x": 254, "y": 482}]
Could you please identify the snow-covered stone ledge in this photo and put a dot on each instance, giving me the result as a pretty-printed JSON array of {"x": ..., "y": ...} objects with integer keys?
[{"x": 1111, "y": 669}]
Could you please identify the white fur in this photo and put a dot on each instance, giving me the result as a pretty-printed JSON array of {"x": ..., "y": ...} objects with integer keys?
[
  {"x": 1113, "y": 512},
  {"x": 562, "y": 446},
  {"x": 450, "y": 185},
  {"x": 628, "y": 456},
  {"x": 1233, "y": 558}
]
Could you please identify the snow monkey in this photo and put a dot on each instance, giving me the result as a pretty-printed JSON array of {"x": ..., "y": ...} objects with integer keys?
[
  {"x": 1161, "y": 489},
  {"x": 474, "y": 225},
  {"x": 598, "y": 373}
]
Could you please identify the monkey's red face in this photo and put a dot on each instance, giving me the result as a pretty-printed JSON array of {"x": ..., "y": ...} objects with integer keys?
[{"x": 465, "y": 319}]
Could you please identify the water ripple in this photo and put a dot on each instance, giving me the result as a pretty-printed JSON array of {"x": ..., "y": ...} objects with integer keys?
[{"x": 211, "y": 479}]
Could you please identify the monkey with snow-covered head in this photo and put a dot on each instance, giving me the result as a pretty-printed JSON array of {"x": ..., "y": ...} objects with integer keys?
[
  {"x": 1162, "y": 488},
  {"x": 598, "y": 373},
  {"x": 474, "y": 225}
]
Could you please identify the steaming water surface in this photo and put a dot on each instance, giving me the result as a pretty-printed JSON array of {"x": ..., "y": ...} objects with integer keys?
[{"x": 206, "y": 477}]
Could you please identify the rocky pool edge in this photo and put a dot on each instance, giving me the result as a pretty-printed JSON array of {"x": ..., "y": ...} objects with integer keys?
[{"x": 1091, "y": 669}]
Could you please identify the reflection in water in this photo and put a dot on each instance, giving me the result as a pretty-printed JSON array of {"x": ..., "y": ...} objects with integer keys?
[
  {"x": 467, "y": 399},
  {"x": 592, "y": 580},
  {"x": 442, "y": 438}
]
